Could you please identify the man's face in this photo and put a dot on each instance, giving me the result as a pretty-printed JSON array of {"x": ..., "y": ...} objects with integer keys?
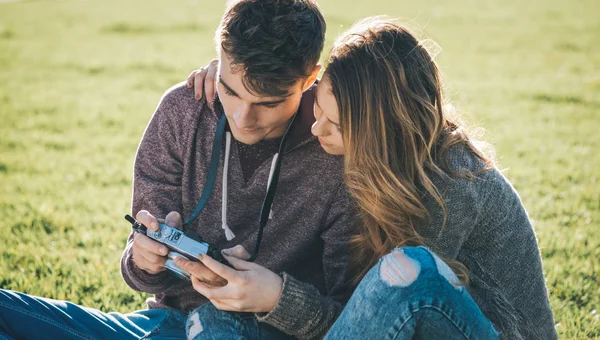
[{"x": 254, "y": 118}]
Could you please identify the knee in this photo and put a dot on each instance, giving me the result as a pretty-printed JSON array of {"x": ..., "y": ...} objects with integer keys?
[
  {"x": 446, "y": 272},
  {"x": 397, "y": 269},
  {"x": 194, "y": 326}
]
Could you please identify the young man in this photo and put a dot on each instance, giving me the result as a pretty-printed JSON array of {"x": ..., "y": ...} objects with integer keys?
[{"x": 268, "y": 54}]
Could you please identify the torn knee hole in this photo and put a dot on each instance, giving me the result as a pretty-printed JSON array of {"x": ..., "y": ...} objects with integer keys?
[
  {"x": 194, "y": 325},
  {"x": 447, "y": 272},
  {"x": 397, "y": 269}
]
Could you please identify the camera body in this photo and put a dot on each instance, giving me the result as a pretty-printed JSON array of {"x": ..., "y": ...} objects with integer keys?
[{"x": 179, "y": 244}]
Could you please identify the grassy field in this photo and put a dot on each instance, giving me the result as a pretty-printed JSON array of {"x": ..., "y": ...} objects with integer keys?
[{"x": 80, "y": 79}]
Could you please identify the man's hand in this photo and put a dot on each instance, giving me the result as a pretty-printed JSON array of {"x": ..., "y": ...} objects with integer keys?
[
  {"x": 151, "y": 256},
  {"x": 250, "y": 287},
  {"x": 204, "y": 81},
  {"x": 148, "y": 254}
]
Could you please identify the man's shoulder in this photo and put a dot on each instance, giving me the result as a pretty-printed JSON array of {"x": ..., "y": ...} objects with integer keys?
[{"x": 180, "y": 100}]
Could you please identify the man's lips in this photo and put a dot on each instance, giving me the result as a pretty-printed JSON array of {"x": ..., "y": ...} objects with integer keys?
[{"x": 246, "y": 130}]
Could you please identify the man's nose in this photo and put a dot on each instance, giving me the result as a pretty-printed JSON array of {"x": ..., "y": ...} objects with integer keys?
[{"x": 243, "y": 117}]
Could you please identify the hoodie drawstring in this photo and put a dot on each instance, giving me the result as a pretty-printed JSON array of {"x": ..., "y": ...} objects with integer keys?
[
  {"x": 273, "y": 164},
  {"x": 228, "y": 233}
]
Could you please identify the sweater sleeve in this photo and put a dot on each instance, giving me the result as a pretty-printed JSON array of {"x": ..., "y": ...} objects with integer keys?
[
  {"x": 302, "y": 310},
  {"x": 156, "y": 182}
]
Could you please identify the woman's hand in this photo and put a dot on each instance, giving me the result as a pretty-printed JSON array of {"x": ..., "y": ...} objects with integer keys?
[
  {"x": 203, "y": 80},
  {"x": 250, "y": 287}
]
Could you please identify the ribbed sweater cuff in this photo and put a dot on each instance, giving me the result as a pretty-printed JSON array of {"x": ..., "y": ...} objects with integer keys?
[{"x": 301, "y": 310}]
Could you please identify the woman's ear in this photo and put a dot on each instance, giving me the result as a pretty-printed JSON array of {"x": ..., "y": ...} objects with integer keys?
[{"x": 312, "y": 78}]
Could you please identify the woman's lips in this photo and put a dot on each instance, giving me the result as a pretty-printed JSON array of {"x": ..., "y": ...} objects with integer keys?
[{"x": 323, "y": 142}]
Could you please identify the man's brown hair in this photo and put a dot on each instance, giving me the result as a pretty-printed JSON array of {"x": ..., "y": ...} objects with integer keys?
[{"x": 274, "y": 43}]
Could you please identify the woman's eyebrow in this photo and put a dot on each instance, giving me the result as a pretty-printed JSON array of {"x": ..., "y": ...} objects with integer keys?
[{"x": 320, "y": 108}]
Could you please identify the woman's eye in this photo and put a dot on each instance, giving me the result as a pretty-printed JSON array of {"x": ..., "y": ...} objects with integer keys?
[{"x": 229, "y": 93}]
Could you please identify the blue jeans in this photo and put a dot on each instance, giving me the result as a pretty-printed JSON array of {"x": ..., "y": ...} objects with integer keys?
[
  {"x": 207, "y": 322},
  {"x": 411, "y": 294},
  {"x": 24, "y": 316}
]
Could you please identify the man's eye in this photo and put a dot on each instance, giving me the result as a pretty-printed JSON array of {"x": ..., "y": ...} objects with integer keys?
[
  {"x": 229, "y": 93},
  {"x": 271, "y": 106}
]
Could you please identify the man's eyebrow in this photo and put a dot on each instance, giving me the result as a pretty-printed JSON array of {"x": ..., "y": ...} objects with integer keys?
[
  {"x": 227, "y": 87},
  {"x": 272, "y": 102},
  {"x": 265, "y": 103}
]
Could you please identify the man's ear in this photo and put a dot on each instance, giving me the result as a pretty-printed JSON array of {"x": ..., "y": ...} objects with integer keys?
[{"x": 312, "y": 78}]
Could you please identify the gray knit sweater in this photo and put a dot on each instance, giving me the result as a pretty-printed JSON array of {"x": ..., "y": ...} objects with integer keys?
[
  {"x": 488, "y": 230},
  {"x": 306, "y": 239}
]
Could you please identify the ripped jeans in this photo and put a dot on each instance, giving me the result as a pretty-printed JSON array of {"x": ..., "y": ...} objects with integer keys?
[{"x": 411, "y": 294}]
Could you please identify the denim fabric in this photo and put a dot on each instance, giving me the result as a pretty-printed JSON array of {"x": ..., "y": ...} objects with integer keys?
[
  {"x": 24, "y": 316},
  {"x": 207, "y": 322},
  {"x": 392, "y": 303}
]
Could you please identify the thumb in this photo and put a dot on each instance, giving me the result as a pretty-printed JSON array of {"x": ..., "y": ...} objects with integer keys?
[
  {"x": 238, "y": 251},
  {"x": 173, "y": 220}
]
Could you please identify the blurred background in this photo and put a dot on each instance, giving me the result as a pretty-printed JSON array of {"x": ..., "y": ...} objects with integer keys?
[{"x": 79, "y": 80}]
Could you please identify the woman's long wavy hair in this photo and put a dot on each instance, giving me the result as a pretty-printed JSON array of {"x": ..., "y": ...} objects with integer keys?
[{"x": 396, "y": 131}]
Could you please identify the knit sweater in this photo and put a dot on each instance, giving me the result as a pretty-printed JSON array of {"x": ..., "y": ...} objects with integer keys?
[
  {"x": 312, "y": 215},
  {"x": 488, "y": 230}
]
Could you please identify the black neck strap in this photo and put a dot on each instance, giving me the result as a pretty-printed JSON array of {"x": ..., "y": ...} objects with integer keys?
[{"x": 212, "y": 171}]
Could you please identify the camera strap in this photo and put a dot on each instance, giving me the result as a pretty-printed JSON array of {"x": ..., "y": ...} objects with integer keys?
[{"x": 212, "y": 171}]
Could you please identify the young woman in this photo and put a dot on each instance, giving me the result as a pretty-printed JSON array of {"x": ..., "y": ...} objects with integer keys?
[{"x": 445, "y": 248}]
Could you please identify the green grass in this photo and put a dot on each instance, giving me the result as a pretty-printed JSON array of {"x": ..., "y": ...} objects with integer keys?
[{"x": 80, "y": 79}]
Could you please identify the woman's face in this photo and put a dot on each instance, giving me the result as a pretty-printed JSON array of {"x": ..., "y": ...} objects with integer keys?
[{"x": 327, "y": 126}]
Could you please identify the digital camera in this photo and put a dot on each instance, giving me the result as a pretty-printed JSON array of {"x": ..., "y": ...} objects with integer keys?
[{"x": 179, "y": 244}]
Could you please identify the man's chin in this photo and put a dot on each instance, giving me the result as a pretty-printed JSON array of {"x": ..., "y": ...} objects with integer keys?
[{"x": 247, "y": 138}]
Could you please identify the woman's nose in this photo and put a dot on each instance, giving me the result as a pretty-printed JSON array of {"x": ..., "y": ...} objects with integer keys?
[{"x": 317, "y": 129}]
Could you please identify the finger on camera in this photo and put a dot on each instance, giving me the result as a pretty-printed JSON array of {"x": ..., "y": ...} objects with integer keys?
[
  {"x": 145, "y": 218},
  {"x": 141, "y": 262},
  {"x": 145, "y": 243},
  {"x": 173, "y": 220},
  {"x": 238, "y": 251},
  {"x": 153, "y": 259},
  {"x": 152, "y": 268},
  {"x": 200, "y": 271}
]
